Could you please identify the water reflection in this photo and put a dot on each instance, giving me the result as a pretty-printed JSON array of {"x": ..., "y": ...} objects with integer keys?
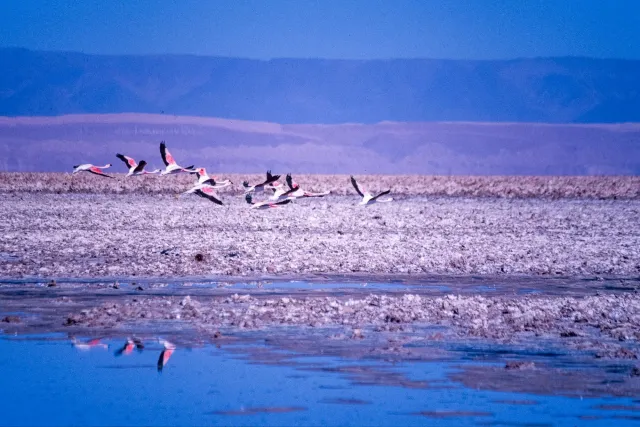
[
  {"x": 127, "y": 348},
  {"x": 240, "y": 384},
  {"x": 88, "y": 345},
  {"x": 166, "y": 353}
]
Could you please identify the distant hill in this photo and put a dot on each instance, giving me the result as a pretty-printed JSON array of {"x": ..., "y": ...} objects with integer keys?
[
  {"x": 552, "y": 90},
  {"x": 461, "y": 148}
]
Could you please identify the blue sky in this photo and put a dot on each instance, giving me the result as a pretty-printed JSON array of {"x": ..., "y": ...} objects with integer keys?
[{"x": 357, "y": 29}]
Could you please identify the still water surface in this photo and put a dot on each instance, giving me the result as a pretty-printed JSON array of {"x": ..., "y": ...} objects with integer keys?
[{"x": 50, "y": 382}]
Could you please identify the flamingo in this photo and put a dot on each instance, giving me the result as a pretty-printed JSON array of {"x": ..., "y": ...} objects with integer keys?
[
  {"x": 171, "y": 166},
  {"x": 300, "y": 193},
  {"x": 205, "y": 179},
  {"x": 87, "y": 167},
  {"x": 168, "y": 350},
  {"x": 280, "y": 194},
  {"x": 266, "y": 204},
  {"x": 259, "y": 188},
  {"x": 367, "y": 198},
  {"x": 135, "y": 168},
  {"x": 215, "y": 186}
]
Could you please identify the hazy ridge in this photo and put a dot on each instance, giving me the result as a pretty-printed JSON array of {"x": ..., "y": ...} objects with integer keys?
[
  {"x": 57, "y": 143},
  {"x": 554, "y": 90}
]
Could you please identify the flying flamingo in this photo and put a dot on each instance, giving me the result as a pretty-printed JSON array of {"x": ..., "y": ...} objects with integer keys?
[
  {"x": 266, "y": 204},
  {"x": 300, "y": 193},
  {"x": 87, "y": 167},
  {"x": 367, "y": 198},
  {"x": 166, "y": 354},
  {"x": 259, "y": 188},
  {"x": 204, "y": 179},
  {"x": 135, "y": 168},
  {"x": 171, "y": 166},
  {"x": 215, "y": 186},
  {"x": 280, "y": 194}
]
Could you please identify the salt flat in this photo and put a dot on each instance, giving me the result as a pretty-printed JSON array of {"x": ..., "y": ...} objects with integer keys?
[{"x": 141, "y": 233}]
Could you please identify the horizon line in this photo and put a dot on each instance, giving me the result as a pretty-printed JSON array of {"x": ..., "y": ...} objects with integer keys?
[
  {"x": 128, "y": 116},
  {"x": 319, "y": 58}
]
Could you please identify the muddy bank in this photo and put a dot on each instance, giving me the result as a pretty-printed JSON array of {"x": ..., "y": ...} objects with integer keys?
[
  {"x": 550, "y": 187},
  {"x": 608, "y": 325},
  {"x": 585, "y": 345},
  {"x": 97, "y": 235}
]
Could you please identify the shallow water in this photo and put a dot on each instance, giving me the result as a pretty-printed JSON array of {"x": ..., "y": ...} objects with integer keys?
[{"x": 49, "y": 381}]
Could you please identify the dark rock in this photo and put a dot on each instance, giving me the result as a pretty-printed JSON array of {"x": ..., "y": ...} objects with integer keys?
[
  {"x": 139, "y": 288},
  {"x": 199, "y": 257},
  {"x": 519, "y": 365},
  {"x": 71, "y": 321},
  {"x": 11, "y": 319},
  {"x": 51, "y": 284},
  {"x": 392, "y": 319}
]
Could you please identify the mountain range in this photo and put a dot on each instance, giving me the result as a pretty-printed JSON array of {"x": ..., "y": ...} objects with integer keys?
[{"x": 314, "y": 91}]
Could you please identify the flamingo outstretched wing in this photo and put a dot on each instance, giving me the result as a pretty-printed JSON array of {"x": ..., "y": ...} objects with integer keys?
[
  {"x": 209, "y": 193},
  {"x": 167, "y": 158},
  {"x": 381, "y": 194},
  {"x": 355, "y": 185},
  {"x": 140, "y": 167},
  {"x": 128, "y": 161},
  {"x": 270, "y": 178},
  {"x": 97, "y": 171}
]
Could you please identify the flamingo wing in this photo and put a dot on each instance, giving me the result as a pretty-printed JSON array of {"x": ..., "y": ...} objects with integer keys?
[
  {"x": 127, "y": 160},
  {"x": 164, "y": 358},
  {"x": 167, "y": 158},
  {"x": 381, "y": 194},
  {"x": 97, "y": 171},
  {"x": 355, "y": 185},
  {"x": 289, "y": 181},
  {"x": 208, "y": 193},
  {"x": 140, "y": 167},
  {"x": 281, "y": 202},
  {"x": 270, "y": 178}
]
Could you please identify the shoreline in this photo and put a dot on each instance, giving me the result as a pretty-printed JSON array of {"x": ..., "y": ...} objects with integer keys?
[
  {"x": 415, "y": 280},
  {"x": 605, "y": 187}
]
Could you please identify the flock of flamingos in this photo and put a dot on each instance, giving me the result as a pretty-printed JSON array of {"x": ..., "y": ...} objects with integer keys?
[{"x": 206, "y": 185}]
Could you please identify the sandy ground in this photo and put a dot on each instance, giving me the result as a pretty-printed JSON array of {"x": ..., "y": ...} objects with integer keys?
[{"x": 157, "y": 235}]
